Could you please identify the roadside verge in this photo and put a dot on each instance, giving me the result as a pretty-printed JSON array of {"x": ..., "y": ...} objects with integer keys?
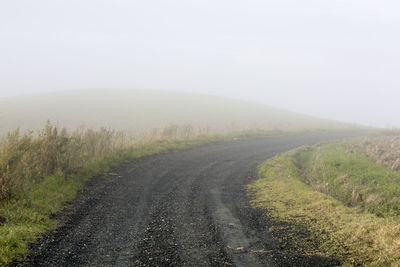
[{"x": 332, "y": 200}]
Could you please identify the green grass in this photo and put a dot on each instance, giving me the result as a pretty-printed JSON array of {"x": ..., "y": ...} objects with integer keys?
[
  {"x": 310, "y": 190},
  {"x": 343, "y": 171}
]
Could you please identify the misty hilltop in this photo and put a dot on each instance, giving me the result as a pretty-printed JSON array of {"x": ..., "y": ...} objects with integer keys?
[{"x": 137, "y": 111}]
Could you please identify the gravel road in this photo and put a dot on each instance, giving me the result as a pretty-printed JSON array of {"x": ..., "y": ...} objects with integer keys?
[{"x": 181, "y": 208}]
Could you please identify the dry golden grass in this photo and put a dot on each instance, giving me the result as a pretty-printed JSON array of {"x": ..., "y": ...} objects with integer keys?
[
  {"x": 384, "y": 150},
  {"x": 25, "y": 159}
]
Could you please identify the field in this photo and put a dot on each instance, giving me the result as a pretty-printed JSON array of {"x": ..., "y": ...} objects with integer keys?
[
  {"x": 135, "y": 111},
  {"x": 336, "y": 200}
]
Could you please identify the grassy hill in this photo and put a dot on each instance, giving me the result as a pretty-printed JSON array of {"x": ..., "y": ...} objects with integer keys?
[{"x": 135, "y": 111}]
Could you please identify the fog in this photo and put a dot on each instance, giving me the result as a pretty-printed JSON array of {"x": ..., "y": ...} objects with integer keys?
[{"x": 332, "y": 59}]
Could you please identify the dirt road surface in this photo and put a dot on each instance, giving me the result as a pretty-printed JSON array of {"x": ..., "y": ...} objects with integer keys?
[{"x": 181, "y": 208}]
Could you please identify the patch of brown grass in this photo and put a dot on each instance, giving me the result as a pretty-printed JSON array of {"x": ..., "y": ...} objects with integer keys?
[
  {"x": 384, "y": 150},
  {"x": 25, "y": 159}
]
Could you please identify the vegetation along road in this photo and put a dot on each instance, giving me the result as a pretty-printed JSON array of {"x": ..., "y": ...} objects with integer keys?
[{"x": 182, "y": 208}]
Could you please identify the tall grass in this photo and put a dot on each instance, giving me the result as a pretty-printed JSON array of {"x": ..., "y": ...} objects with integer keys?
[
  {"x": 385, "y": 150},
  {"x": 25, "y": 159}
]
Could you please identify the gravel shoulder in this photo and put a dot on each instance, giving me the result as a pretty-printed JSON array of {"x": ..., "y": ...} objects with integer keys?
[{"x": 182, "y": 208}]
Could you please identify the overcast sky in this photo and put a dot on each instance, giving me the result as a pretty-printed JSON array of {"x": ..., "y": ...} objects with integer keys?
[{"x": 337, "y": 59}]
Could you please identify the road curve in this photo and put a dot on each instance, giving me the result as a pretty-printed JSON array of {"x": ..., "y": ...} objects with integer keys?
[{"x": 181, "y": 208}]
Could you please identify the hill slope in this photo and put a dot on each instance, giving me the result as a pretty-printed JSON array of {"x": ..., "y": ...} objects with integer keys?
[{"x": 135, "y": 110}]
